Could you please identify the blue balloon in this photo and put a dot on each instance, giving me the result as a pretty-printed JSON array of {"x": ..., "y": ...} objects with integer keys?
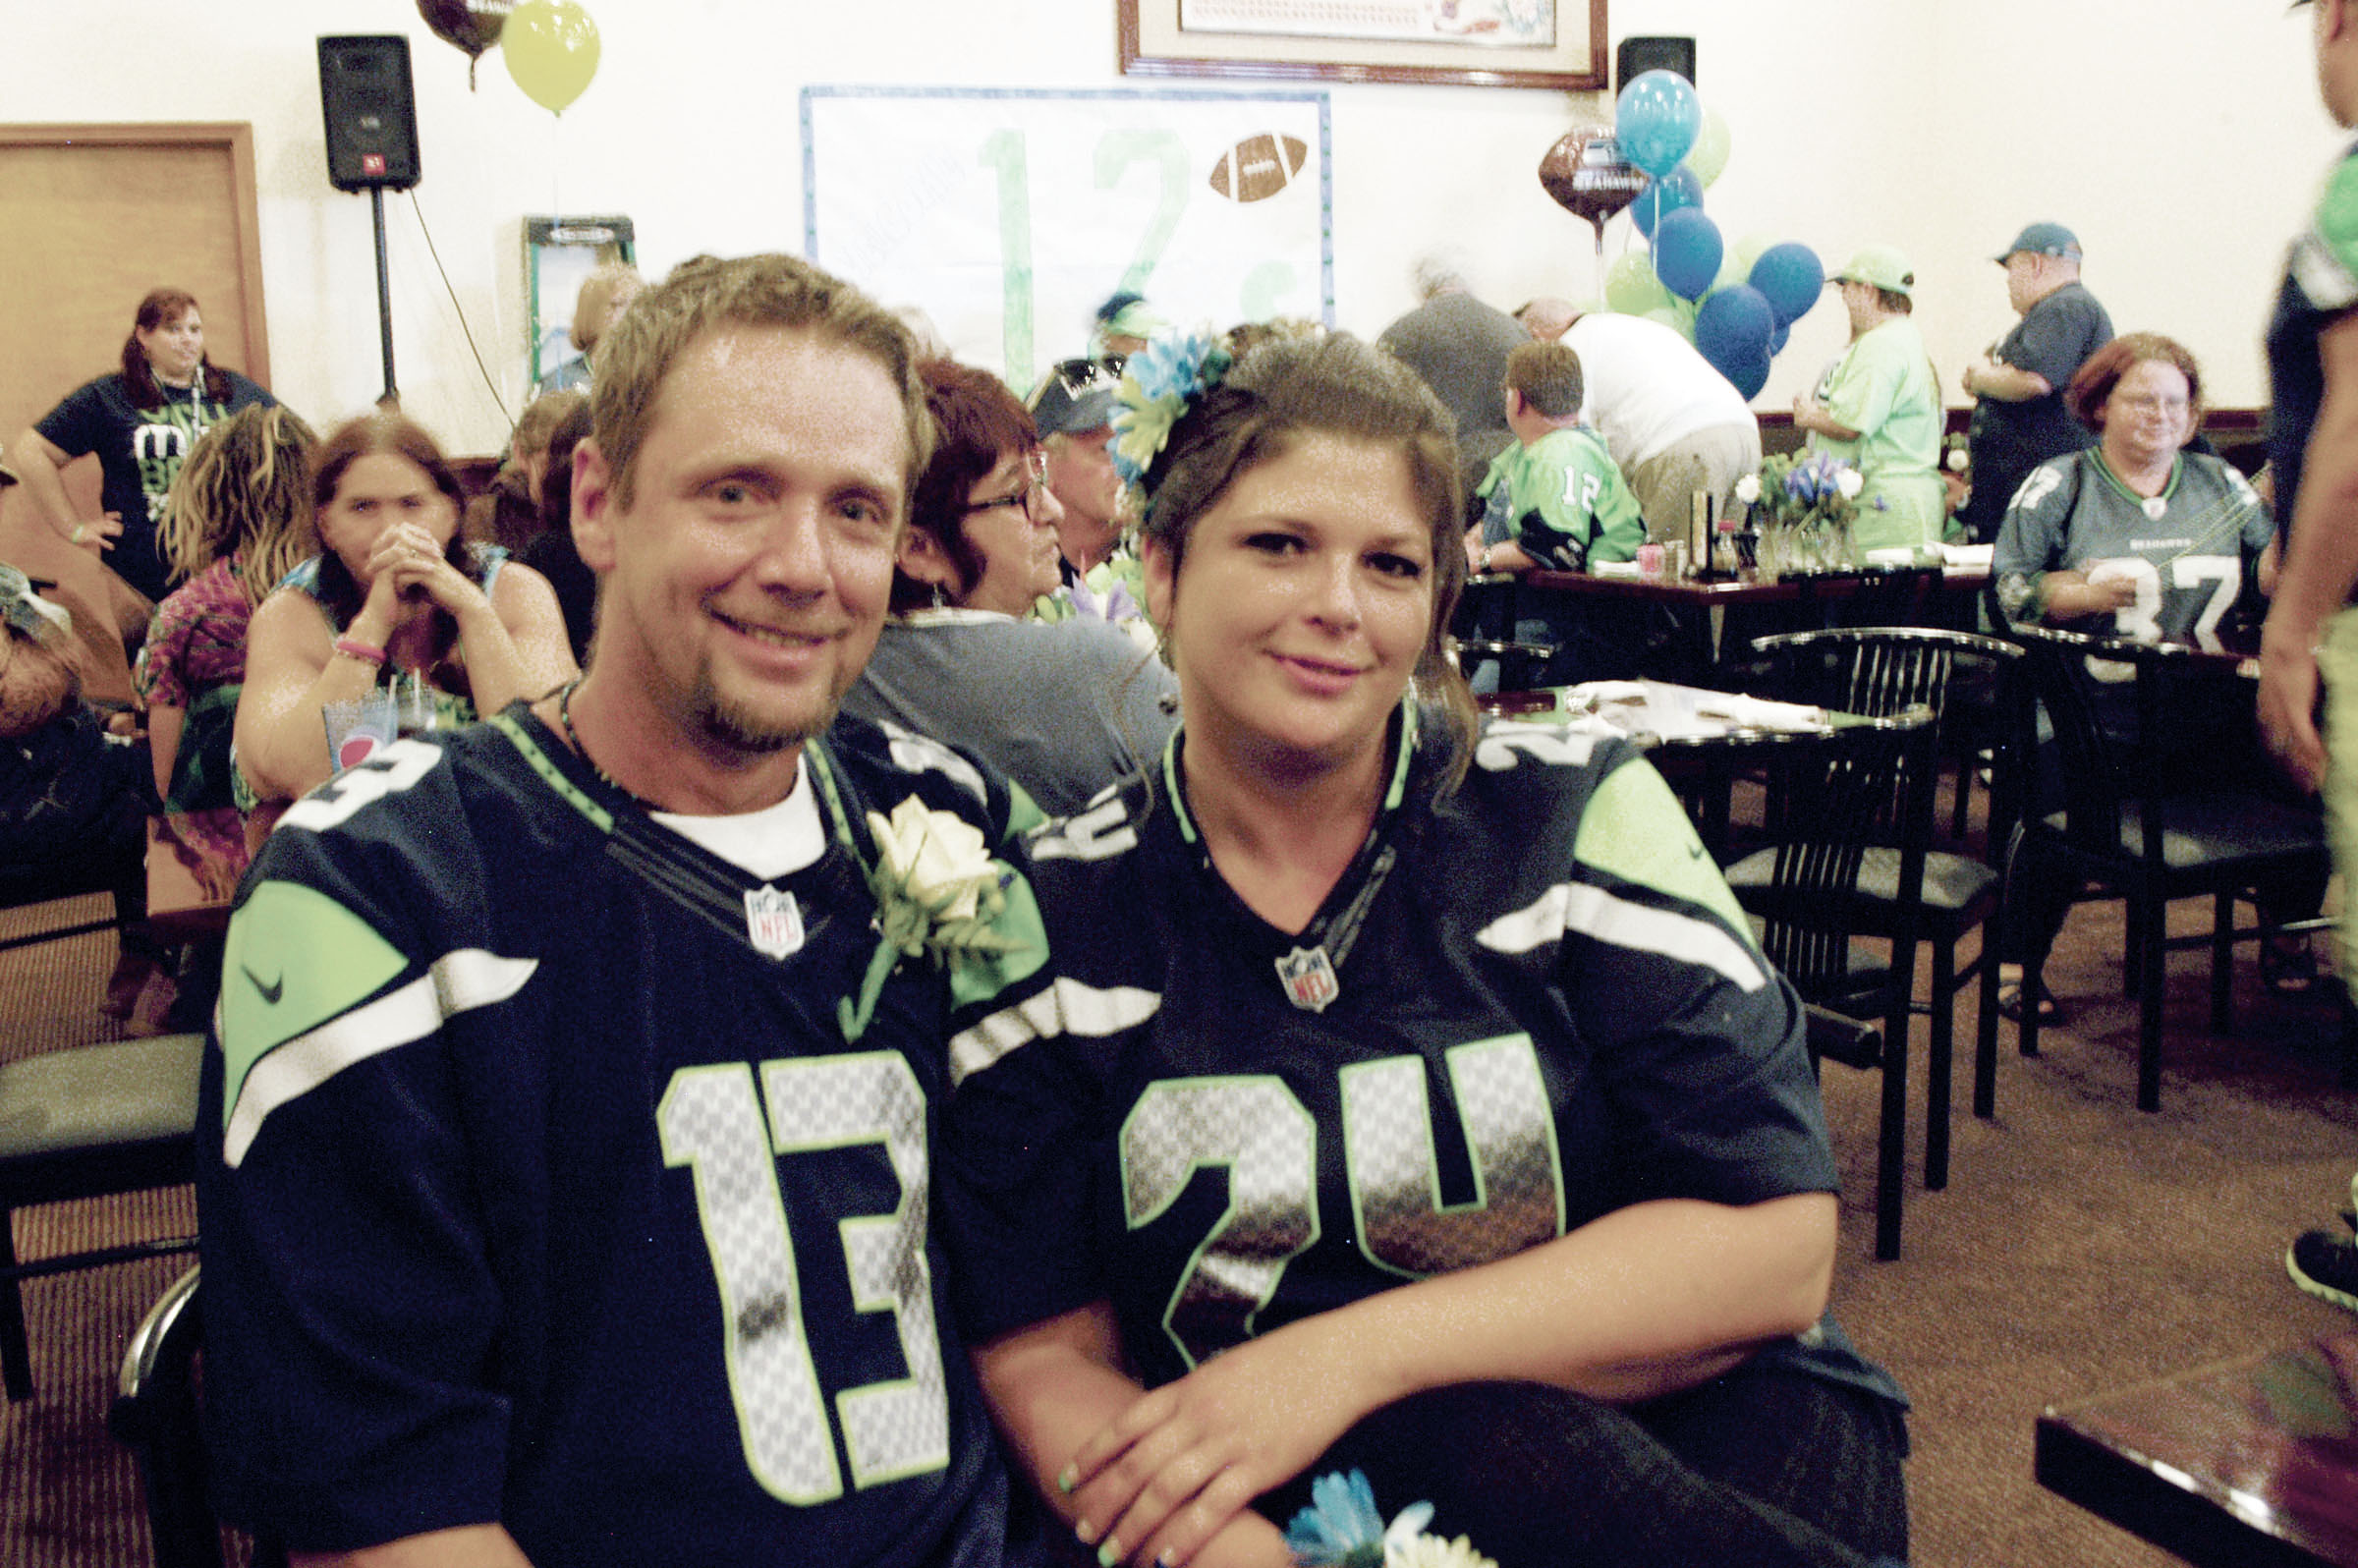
[
  {"x": 1680, "y": 188},
  {"x": 1790, "y": 278},
  {"x": 1686, "y": 252},
  {"x": 1777, "y": 339},
  {"x": 1656, "y": 120},
  {"x": 1750, "y": 376},
  {"x": 1733, "y": 332}
]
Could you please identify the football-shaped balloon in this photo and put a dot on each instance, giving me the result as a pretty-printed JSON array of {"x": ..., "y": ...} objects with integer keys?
[
  {"x": 469, "y": 25},
  {"x": 1258, "y": 167},
  {"x": 1587, "y": 176}
]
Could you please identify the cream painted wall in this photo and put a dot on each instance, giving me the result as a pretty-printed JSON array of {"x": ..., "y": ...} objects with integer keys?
[{"x": 2181, "y": 138}]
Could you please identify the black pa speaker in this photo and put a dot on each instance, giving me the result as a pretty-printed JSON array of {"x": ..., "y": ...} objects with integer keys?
[
  {"x": 370, "y": 112},
  {"x": 1637, "y": 56}
]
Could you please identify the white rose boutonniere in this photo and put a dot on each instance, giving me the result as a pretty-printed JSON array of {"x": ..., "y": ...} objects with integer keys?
[
  {"x": 938, "y": 891},
  {"x": 935, "y": 879}
]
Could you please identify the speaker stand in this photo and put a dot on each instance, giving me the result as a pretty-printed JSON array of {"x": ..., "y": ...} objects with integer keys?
[{"x": 391, "y": 397}]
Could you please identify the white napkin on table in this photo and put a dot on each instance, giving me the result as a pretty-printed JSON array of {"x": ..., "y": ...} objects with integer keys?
[
  {"x": 1595, "y": 694},
  {"x": 1760, "y": 713}
]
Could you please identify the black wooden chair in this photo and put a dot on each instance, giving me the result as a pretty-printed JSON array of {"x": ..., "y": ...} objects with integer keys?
[
  {"x": 2128, "y": 832},
  {"x": 158, "y": 1415},
  {"x": 87, "y": 1122},
  {"x": 1863, "y": 787},
  {"x": 25, "y": 887},
  {"x": 1877, "y": 672}
]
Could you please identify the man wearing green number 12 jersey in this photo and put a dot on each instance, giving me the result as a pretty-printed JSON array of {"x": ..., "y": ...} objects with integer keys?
[{"x": 577, "y": 1072}]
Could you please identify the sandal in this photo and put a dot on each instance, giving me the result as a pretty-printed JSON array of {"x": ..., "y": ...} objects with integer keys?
[
  {"x": 2287, "y": 968},
  {"x": 2009, "y": 1004}
]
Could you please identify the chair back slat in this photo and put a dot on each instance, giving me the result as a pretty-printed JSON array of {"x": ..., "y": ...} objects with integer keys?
[
  {"x": 2093, "y": 786},
  {"x": 1865, "y": 786}
]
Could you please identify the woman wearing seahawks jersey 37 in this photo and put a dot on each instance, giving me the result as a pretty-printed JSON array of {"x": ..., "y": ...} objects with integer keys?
[
  {"x": 2138, "y": 538},
  {"x": 1394, "y": 1097}
]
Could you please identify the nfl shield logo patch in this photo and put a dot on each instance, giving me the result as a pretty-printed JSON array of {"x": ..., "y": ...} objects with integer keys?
[
  {"x": 773, "y": 921},
  {"x": 1310, "y": 982}
]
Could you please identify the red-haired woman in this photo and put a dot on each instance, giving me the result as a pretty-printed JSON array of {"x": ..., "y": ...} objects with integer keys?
[{"x": 140, "y": 420}]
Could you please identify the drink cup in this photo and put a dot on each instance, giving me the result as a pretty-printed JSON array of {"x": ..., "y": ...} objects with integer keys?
[
  {"x": 1649, "y": 560},
  {"x": 358, "y": 726}
]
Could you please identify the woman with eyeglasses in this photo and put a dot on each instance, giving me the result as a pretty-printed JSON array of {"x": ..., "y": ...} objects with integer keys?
[
  {"x": 2137, "y": 538},
  {"x": 1063, "y": 710}
]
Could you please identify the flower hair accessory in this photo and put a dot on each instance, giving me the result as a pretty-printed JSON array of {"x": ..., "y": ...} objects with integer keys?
[{"x": 1160, "y": 384}]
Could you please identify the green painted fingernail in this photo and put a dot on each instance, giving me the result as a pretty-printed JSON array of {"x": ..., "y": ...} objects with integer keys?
[
  {"x": 1110, "y": 1553},
  {"x": 1068, "y": 1478}
]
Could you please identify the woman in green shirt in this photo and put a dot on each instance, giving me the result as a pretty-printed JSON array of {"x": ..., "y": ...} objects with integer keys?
[{"x": 1879, "y": 408}]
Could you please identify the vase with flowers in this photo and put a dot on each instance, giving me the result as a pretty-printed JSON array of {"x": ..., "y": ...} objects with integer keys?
[{"x": 1802, "y": 504}]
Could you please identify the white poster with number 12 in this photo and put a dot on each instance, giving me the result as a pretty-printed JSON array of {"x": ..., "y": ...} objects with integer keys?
[{"x": 1008, "y": 216}]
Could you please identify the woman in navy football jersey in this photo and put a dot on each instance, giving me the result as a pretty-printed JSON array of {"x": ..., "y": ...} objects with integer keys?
[
  {"x": 1397, "y": 1095},
  {"x": 141, "y": 421}
]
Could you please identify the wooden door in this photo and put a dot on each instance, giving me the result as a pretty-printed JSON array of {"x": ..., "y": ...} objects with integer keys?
[{"x": 96, "y": 216}]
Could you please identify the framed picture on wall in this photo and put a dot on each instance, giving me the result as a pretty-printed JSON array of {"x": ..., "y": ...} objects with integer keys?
[
  {"x": 559, "y": 253},
  {"x": 1482, "y": 43}
]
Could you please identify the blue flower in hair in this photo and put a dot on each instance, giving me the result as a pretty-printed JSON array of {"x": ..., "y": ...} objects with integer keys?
[{"x": 1158, "y": 385}]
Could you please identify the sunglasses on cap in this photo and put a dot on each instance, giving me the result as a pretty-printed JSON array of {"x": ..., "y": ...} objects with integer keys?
[{"x": 1076, "y": 376}]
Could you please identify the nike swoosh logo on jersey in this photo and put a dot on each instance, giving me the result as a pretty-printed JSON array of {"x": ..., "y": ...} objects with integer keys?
[{"x": 270, "y": 993}]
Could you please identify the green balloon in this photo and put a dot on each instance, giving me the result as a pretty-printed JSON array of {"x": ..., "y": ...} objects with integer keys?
[
  {"x": 1630, "y": 286},
  {"x": 1748, "y": 250},
  {"x": 1709, "y": 155},
  {"x": 1677, "y": 320},
  {"x": 1731, "y": 271},
  {"x": 551, "y": 51}
]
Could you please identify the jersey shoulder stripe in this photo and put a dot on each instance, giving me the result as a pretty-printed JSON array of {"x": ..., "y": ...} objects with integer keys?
[
  {"x": 1065, "y": 1007},
  {"x": 454, "y": 984},
  {"x": 1636, "y": 831},
  {"x": 1578, "y": 908}
]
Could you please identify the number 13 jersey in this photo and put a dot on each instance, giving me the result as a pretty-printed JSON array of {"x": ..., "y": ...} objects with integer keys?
[{"x": 550, "y": 1189}]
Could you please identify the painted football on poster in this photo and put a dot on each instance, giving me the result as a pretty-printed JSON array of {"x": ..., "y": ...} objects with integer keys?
[{"x": 1258, "y": 167}]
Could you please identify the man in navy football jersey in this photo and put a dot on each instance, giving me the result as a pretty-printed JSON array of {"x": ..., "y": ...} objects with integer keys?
[{"x": 576, "y": 1071}]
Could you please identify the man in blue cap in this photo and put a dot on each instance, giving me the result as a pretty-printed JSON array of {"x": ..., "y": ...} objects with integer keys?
[
  {"x": 2019, "y": 417},
  {"x": 1073, "y": 411}
]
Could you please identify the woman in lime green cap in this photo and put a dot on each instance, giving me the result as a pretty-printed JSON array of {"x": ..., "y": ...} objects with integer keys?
[{"x": 1879, "y": 408}]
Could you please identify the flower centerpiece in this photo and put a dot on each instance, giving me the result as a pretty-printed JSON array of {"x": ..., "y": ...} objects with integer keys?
[{"x": 1803, "y": 503}]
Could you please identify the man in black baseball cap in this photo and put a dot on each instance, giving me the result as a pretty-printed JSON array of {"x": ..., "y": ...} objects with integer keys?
[
  {"x": 2019, "y": 417},
  {"x": 1073, "y": 407}
]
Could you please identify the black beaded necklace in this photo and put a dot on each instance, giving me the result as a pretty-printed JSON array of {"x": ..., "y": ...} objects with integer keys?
[{"x": 573, "y": 738}]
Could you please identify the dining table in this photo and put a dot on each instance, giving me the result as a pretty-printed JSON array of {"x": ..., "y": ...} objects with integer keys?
[
  {"x": 1699, "y": 738},
  {"x": 2250, "y": 1462},
  {"x": 1717, "y": 611}
]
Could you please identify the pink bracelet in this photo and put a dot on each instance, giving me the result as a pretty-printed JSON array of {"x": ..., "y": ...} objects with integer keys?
[{"x": 352, "y": 648}]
